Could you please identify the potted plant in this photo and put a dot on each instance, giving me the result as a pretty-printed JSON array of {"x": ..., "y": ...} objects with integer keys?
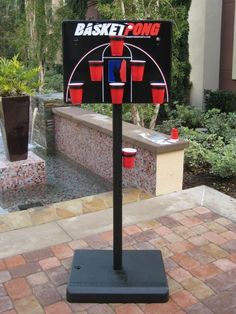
[{"x": 17, "y": 83}]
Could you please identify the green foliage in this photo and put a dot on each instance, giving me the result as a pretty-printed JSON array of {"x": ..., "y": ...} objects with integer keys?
[
  {"x": 73, "y": 9},
  {"x": 76, "y": 9},
  {"x": 53, "y": 81},
  {"x": 223, "y": 161},
  {"x": 187, "y": 115},
  {"x": 41, "y": 32},
  {"x": 177, "y": 11},
  {"x": 200, "y": 144},
  {"x": 181, "y": 116},
  {"x": 166, "y": 125},
  {"x": 221, "y": 124},
  {"x": 126, "y": 9},
  {"x": 212, "y": 148},
  {"x": 106, "y": 109},
  {"x": 38, "y": 42},
  {"x": 223, "y": 100},
  {"x": 99, "y": 108},
  {"x": 15, "y": 79},
  {"x": 209, "y": 153},
  {"x": 220, "y": 161},
  {"x": 13, "y": 30},
  {"x": 196, "y": 157}
]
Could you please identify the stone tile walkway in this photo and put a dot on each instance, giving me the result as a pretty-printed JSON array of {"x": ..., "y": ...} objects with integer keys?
[
  {"x": 199, "y": 250},
  {"x": 61, "y": 210}
]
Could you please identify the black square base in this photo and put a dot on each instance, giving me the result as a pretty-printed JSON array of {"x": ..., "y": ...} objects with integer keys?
[{"x": 141, "y": 280}]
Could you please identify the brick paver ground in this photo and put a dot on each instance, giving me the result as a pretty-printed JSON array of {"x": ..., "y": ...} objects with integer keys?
[{"x": 199, "y": 250}]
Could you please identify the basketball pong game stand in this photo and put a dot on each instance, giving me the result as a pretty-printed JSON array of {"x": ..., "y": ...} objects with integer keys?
[{"x": 117, "y": 276}]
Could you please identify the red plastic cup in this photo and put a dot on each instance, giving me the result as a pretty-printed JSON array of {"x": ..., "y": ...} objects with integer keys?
[
  {"x": 137, "y": 70},
  {"x": 158, "y": 93},
  {"x": 129, "y": 157},
  {"x": 117, "y": 45},
  {"x": 76, "y": 93},
  {"x": 117, "y": 93},
  {"x": 174, "y": 134},
  {"x": 96, "y": 70}
]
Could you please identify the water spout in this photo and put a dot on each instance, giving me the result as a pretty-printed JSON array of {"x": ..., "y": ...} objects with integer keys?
[{"x": 31, "y": 146}]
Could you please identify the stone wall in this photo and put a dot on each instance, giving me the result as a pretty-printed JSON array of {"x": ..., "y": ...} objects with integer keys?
[
  {"x": 93, "y": 150},
  {"x": 86, "y": 137},
  {"x": 23, "y": 173}
]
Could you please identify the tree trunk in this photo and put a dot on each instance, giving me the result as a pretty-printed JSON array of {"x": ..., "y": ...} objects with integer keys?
[
  {"x": 56, "y": 4},
  {"x": 38, "y": 25},
  {"x": 92, "y": 12},
  {"x": 30, "y": 20},
  {"x": 122, "y": 8},
  {"x": 135, "y": 114},
  {"x": 154, "y": 117}
]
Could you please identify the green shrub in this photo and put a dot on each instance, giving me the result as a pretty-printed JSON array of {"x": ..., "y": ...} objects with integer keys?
[
  {"x": 53, "y": 81},
  {"x": 208, "y": 141},
  {"x": 105, "y": 109},
  {"x": 223, "y": 162},
  {"x": 189, "y": 116},
  {"x": 212, "y": 149},
  {"x": 220, "y": 123},
  {"x": 183, "y": 115},
  {"x": 196, "y": 157},
  {"x": 166, "y": 125},
  {"x": 208, "y": 153},
  {"x": 223, "y": 100}
]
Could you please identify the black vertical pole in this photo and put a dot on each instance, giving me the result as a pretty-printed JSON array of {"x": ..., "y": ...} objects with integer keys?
[{"x": 117, "y": 186}]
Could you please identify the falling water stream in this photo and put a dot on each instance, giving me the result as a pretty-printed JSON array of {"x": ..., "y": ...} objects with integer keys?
[{"x": 33, "y": 127}]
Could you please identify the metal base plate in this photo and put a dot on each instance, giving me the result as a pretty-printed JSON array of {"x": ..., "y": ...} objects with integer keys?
[{"x": 141, "y": 280}]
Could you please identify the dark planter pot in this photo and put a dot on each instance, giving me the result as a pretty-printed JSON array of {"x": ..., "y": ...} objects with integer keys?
[{"x": 14, "y": 122}]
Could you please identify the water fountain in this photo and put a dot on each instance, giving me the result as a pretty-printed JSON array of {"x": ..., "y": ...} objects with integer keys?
[
  {"x": 23, "y": 173},
  {"x": 72, "y": 181}
]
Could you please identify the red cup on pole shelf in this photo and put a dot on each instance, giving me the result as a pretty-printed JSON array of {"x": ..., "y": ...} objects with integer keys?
[
  {"x": 76, "y": 93},
  {"x": 174, "y": 136},
  {"x": 96, "y": 70},
  {"x": 117, "y": 45},
  {"x": 137, "y": 70},
  {"x": 158, "y": 93},
  {"x": 129, "y": 157},
  {"x": 117, "y": 92}
]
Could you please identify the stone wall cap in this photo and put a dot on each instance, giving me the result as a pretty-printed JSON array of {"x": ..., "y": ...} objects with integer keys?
[
  {"x": 148, "y": 139},
  {"x": 50, "y": 97}
]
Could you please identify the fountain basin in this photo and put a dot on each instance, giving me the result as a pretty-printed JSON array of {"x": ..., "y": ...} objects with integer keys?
[{"x": 18, "y": 174}]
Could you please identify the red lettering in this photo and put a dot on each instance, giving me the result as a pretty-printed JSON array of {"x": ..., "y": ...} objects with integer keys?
[
  {"x": 143, "y": 29},
  {"x": 155, "y": 29},
  {"x": 128, "y": 29},
  {"x": 146, "y": 29},
  {"x": 137, "y": 29}
]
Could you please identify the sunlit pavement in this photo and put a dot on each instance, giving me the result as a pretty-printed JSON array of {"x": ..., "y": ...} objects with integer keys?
[{"x": 195, "y": 230}]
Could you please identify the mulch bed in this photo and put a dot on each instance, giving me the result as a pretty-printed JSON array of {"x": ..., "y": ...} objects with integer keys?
[{"x": 227, "y": 186}]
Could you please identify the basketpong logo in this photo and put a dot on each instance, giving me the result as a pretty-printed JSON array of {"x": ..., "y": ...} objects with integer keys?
[{"x": 117, "y": 29}]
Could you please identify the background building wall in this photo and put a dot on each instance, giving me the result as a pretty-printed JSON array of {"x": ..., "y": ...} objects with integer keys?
[
  {"x": 228, "y": 47},
  {"x": 204, "y": 47}
]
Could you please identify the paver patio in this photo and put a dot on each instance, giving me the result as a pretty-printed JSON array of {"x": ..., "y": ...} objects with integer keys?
[{"x": 199, "y": 250}]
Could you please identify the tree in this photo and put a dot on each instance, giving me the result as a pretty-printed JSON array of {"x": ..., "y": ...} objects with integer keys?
[
  {"x": 177, "y": 11},
  {"x": 32, "y": 29},
  {"x": 36, "y": 27},
  {"x": 10, "y": 15}
]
